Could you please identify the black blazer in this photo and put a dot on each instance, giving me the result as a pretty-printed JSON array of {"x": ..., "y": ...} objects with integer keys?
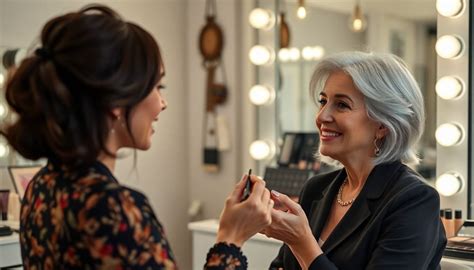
[{"x": 393, "y": 224}]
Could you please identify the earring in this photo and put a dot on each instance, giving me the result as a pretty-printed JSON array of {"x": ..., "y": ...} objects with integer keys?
[
  {"x": 377, "y": 148},
  {"x": 112, "y": 130}
]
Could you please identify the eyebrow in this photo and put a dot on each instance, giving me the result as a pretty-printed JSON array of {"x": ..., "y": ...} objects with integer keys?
[{"x": 337, "y": 96}]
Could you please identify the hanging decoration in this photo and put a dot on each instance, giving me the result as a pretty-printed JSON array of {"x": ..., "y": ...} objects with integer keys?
[{"x": 211, "y": 43}]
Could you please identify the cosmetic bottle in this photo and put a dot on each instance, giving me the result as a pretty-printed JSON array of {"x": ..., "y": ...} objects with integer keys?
[
  {"x": 449, "y": 223},
  {"x": 458, "y": 221}
]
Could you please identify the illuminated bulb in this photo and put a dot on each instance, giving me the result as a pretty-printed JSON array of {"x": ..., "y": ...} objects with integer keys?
[
  {"x": 261, "y": 95},
  {"x": 301, "y": 12},
  {"x": 449, "y": 184},
  {"x": 449, "y": 46},
  {"x": 3, "y": 111},
  {"x": 307, "y": 53},
  {"x": 449, "y": 8},
  {"x": 294, "y": 54},
  {"x": 4, "y": 150},
  {"x": 357, "y": 22},
  {"x": 260, "y": 150},
  {"x": 2, "y": 79},
  {"x": 318, "y": 52},
  {"x": 449, "y": 87},
  {"x": 284, "y": 55},
  {"x": 262, "y": 18},
  {"x": 449, "y": 134},
  {"x": 261, "y": 55}
]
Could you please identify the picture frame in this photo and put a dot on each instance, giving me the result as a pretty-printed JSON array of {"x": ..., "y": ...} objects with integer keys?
[{"x": 21, "y": 176}]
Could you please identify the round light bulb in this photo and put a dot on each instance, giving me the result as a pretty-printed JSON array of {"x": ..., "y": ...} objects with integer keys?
[
  {"x": 307, "y": 53},
  {"x": 449, "y": 8},
  {"x": 301, "y": 12},
  {"x": 260, "y": 150},
  {"x": 262, "y": 19},
  {"x": 449, "y": 134},
  {"x": 3, "y": 111},
  {"x": 318, "y": 52},
  {"x": 357, "y": 21},
  {"x": 2, "y": 79},
  {"x": 294, "y": 54},
  {"x": 284, "y": 55},
  {"x": 4, "y": 150},
  {"x": 449, "y": 87},
  {"x": 261, "y": 55},
  {"x": 261, "y": 95},
  {"x": 449, "y": 184},
  {"x": 449, "y": 46}
]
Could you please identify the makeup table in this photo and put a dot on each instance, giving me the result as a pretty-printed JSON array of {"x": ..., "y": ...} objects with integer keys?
[{"x": 10, "y": 253}]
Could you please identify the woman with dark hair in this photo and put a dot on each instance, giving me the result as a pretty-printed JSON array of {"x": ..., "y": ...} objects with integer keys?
[{"x": 91, "y": 89}]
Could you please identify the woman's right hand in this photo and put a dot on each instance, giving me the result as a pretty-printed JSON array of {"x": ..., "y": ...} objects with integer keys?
[{"x": 241, "y": 220}]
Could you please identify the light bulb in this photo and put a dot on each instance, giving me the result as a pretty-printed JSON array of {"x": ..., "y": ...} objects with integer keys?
[
  {"x": 4, "y": 150},
  {"x": 449, "y": 8},
  {"x": 449, "y": 183},
  {"x": 294, "y": 54},
  {"x": 3, "y": 111},
  {"x": 312, "y": 53},
  {"x": 449, "y": 134},
  {"x": 449, "y": 87},
  {"x": 284, "y": 55},
  {"x": 262, "y": 18},
  {"x": 261, "y": 95},
  {"x": 449, "y": 46},
  {"x": 261, "y": 55},
  {"x": 357, "y": 22},
  {"x": 318, "y": 52},
  {"x": 262, "y": 149},
  {"x": 2, "y": 79},
  {"x": 301, "y": 12}
]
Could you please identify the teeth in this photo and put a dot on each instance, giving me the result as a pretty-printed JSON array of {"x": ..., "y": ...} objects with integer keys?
[{"x": 330, "y": 134}]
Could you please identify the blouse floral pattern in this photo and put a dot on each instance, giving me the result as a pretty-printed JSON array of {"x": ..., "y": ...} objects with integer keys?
[{"x": 86, "y": 220}]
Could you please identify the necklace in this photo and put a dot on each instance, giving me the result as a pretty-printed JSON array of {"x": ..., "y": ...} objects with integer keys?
[{"x": 339, "y": 196}]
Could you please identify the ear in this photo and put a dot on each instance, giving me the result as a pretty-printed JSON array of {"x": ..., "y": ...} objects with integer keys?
[{"x": 381, "y": 132}]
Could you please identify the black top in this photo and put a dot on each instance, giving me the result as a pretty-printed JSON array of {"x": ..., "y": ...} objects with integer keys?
[
  {"x": 393, "y": 224},
  {"x": 85, "y": 219}
]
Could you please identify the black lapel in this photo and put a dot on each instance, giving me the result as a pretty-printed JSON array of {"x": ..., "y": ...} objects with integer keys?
[
  {"x": 321, "y": 206},
  {"x": 377, "y": 182}
]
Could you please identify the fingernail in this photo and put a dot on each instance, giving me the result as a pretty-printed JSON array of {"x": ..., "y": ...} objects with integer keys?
[{"x": 275, "y": 193}]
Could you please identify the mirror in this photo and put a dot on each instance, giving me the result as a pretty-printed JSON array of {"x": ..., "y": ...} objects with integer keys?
[{"x": 404, "y": 28}]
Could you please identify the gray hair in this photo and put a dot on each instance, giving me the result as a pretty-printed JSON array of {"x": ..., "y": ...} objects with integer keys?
[{"x": 392, "y": 97}]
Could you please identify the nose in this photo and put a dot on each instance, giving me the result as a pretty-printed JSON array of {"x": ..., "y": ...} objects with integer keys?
[
  {"x": 164, "y": 104},
  {"x": 324, "y": 115}
]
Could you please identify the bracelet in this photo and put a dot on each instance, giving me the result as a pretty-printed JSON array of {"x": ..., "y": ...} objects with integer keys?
[{"x": 225, "y": 250}]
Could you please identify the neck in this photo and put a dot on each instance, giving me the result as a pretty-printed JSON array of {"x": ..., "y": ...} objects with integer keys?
[
  {"x": 108, "y": 161},
  {"x": 357, "y": 174}
]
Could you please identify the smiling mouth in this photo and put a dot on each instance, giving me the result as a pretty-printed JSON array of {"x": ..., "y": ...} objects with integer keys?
[{"x": 330, "y": 134}]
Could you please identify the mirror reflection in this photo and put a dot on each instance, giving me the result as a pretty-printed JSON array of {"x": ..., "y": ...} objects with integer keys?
[{"x": 404, "y": 28}]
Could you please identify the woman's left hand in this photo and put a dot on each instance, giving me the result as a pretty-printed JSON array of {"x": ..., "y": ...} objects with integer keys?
[{"x": 292, "y": 227}]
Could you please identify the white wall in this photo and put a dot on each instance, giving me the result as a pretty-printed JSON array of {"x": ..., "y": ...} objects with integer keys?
[
  {"x": 212, "y": 189},
  {"x": 163, "y": 170}
]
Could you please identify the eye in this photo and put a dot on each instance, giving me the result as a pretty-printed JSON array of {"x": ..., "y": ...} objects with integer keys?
[
  {"x": 343, "y": 105},
  {"x": 322, "y": 101}
]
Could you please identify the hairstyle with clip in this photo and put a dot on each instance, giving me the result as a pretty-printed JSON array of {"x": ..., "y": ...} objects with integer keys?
[
  {"x": 90, "y": 62},
  {"x": 392, "y": 97}
]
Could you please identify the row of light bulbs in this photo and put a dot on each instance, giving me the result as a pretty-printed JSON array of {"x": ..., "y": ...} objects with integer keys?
[{"x": 450, "y": 88}]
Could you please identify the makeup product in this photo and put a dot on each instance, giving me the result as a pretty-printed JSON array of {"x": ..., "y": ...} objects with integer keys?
[
  {"x": 449, "y": 223},
  {"x": 248, "y": 187},
  {"x": 4, "y": 196},
  {"x": 458, "y": 221}
]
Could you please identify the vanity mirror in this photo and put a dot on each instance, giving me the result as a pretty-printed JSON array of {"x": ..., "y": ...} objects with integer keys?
[{"x": 409, "y": 29}]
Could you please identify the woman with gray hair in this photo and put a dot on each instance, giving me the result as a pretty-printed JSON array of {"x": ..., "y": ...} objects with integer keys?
[{"x": 375, "y": 212}]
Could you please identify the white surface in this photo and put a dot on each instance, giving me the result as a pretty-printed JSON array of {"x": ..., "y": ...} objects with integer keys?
[
  {"x": 10, "y": 253},
  {"x": 259, "y": 250}
]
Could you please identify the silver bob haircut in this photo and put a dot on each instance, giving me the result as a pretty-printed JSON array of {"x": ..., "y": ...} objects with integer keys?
[{"x": 392, "y": 97}]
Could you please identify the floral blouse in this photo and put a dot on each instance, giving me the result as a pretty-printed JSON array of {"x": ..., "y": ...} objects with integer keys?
[{"x": 87, "y": 220}]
